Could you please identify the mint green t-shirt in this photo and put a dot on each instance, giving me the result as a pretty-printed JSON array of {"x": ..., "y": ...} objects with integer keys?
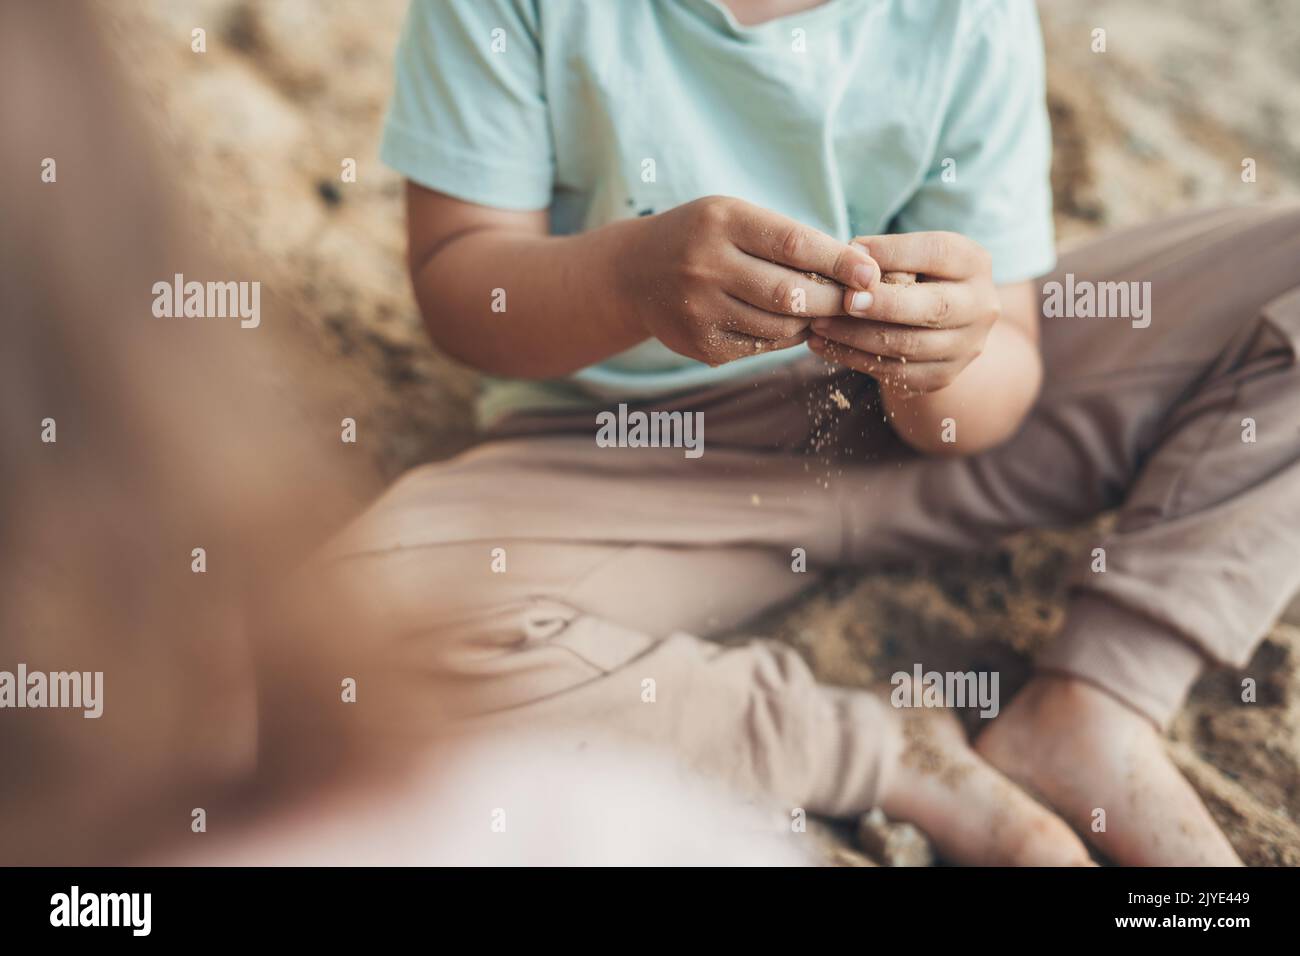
[{"x": 855, "y": 117}]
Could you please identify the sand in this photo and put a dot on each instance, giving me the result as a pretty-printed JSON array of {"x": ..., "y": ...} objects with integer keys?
[
  {"x": 898, "y": 278},
  {"x": 259, "y": 126}
]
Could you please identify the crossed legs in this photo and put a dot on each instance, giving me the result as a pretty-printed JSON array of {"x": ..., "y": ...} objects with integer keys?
[{"x": 541, "y": 579}]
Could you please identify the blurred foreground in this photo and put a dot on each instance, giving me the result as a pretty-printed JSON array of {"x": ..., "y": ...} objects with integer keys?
[{"x": 169, "y": 438}]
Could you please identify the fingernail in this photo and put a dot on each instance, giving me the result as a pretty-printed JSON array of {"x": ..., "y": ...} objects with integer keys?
[
  {"x": 816, "y": 344},
  {"x": 860, "y": 302},
  {"x": 864, "y": 275}
]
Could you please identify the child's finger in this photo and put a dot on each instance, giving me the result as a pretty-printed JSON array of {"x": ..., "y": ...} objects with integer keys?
[
  {"x": 918, "y": 377},
  {"x": 780, "y": 239},
  {"x": 759, "y": 323},
  {"x": 931, "y": 305},
  {"x": 784, "y": 291},
  {"x": 944, "y": 255},
  {"x": 891, "y": 340},
  {"x": 737, "y": 345}
]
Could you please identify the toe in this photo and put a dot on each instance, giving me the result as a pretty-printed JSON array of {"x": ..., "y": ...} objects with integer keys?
[{"x": 1042, "y": 839}]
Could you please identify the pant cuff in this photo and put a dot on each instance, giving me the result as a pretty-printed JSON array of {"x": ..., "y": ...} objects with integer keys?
[
  {"x": 1134, "y": 658},
  {"x": 866, "y": 741}
]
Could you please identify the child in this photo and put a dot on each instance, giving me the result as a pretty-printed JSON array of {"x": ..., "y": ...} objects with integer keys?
[{"x": 648, "y": 204}]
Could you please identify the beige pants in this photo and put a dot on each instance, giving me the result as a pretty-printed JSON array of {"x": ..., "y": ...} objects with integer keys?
[{"x": 619, "y": 562}]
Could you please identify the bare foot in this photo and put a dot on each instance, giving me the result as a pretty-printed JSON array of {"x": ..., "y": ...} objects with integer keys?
[
  {"x": 1082, "y": 751},
  {"x": 973, "y": 814}
]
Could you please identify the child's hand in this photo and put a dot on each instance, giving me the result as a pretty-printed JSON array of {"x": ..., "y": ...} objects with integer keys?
[
  {"x": 719, "y": 278},
  {"x": 915, "y": 338}
]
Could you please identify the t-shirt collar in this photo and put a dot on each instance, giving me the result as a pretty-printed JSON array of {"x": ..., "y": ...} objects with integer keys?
[{"x": 720, "y": 15}]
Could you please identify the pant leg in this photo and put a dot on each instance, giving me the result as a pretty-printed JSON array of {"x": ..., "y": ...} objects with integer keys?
[
  {"x": 1206, "y": 548},
  {"x": 548, "y": 581}
]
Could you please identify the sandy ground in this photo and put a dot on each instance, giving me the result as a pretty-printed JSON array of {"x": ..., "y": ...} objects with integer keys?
[{"x": 256, "y": 129}]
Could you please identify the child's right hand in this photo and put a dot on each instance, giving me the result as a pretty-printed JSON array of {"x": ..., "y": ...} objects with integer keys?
[{"x": 720, "y": 278}]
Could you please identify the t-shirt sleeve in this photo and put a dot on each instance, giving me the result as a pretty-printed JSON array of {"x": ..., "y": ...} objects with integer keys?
[
  {"x": 469, "y": 116},
  {"x": 991, "y": 175}
]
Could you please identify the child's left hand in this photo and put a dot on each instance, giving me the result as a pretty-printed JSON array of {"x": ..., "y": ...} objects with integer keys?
[{"x": 915, "y": 338}]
